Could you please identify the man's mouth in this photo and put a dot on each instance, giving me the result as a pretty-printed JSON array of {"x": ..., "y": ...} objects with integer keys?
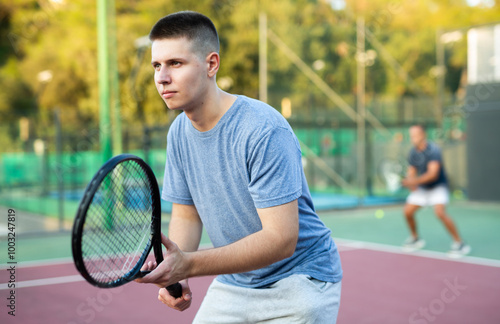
[{"x": 168, "y": 94}]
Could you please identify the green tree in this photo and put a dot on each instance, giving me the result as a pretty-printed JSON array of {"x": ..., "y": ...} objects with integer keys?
[{"x": 61, "y": 37}]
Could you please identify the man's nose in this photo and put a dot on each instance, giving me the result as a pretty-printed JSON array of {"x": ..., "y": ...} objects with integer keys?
[{"x": 163, "y": 76}]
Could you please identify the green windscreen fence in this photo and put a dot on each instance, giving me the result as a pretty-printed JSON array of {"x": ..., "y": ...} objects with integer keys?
[{"x": 50, "y": 185}]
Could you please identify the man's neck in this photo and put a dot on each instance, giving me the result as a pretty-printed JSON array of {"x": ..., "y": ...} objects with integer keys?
[
  {"x": 422, "y": 146},
  {"x": 211, "y": 110}
]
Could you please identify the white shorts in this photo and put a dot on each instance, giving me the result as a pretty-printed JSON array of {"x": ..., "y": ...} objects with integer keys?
[{"x": 429, "y": 197}]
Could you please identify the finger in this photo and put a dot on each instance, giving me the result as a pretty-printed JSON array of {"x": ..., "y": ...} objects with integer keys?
[
  {"x": 167, "y": 242},
  {"x": 186, "y": 291},
  {"x": 179, "y": 304},
  {"x": 145, "y": 279},
  {"x": 149, "y": 266},
  {"x": 151, "y": 277}
]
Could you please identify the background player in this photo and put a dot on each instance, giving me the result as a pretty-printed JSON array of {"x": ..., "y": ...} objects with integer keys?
[{"x": 426, "y": 178}]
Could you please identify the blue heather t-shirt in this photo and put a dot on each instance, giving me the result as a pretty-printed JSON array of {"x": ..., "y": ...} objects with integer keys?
[
  {"x": 251, "y": 159},
  {"x": 420, "y": 159}
]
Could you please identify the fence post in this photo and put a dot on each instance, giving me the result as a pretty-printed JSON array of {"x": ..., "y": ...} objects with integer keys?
[{"x": 60, "y": 177}]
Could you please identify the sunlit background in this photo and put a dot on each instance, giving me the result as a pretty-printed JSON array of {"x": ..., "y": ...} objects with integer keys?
[
  {"x": 76, "y": 87},
  {"x": 350, "y": 76}
]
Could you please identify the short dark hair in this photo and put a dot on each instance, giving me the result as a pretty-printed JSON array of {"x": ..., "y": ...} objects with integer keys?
[
  {"x": 421, "y": 126},
  {"x": 194, "y": 26}
]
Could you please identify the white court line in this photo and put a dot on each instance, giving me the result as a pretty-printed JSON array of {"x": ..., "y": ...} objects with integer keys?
[
  {"x": 354, "y": 245},
  {"x": 347, "y": 246},
  {"x": 59, "y": 261},
  {"x": 343, "y": 245},
  {"x": 42, "y": 282},
  {"x": 39, "y": 263},
  {"x": 50, "y": 281}
]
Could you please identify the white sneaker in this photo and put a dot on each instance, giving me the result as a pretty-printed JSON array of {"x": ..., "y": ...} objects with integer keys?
[
  {"x": 412, "y": 244},
  {"x": 458, "y": 249}
]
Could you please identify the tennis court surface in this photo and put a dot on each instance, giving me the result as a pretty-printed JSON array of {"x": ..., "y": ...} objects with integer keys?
[{"x": 381, "y": 283}]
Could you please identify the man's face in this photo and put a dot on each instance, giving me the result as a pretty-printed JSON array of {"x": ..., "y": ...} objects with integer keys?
[
  {"x": 180, "y": 73},
  {"x": 417, "y": 136}
]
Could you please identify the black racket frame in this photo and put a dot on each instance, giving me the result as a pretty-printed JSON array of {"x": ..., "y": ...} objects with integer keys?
[{"x": 155, "y": 239}]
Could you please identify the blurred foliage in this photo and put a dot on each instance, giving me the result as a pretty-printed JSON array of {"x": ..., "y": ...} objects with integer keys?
[{"x": 60, "y": 36}]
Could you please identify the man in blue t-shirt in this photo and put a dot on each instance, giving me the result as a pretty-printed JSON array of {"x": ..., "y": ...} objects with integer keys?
[
  {"x": 234, "y": 167},
  {"x": 426, "y": 178}
]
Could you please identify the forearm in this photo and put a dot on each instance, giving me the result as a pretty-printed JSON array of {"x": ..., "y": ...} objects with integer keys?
[
  {"x": 411, "y": 173},
  {"x": 185, "y": 228},
  {"x": 426, "y": 178},
  {"x": 185, "y": 234},
  {"x": 274, "y": 242},
  {"x": 432, "y": 173},
  {"x": 413, "y": 179},
  {"x": 252, "y": 252}
]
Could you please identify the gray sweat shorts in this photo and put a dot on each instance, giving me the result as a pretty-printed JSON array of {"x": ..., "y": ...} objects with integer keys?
[{"x": 295, "y": 299}]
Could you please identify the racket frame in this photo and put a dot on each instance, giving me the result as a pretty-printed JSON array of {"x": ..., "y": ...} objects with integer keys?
[
  {"x": 388, "y": 164},
  {"x": 155, "y": 229}
]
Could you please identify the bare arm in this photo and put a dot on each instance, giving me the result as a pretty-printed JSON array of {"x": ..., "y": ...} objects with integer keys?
[
  {"x": 433, "y": 168},
  {"x": 411, "y": 172},
  {"x": 412, "y": 180},
  {"x": 276, "y": 241},
  {"x": 185, "y": 227}
]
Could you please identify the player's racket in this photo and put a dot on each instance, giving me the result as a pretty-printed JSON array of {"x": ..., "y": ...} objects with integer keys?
[
  {"x": 117, "y": 224},
  {"x": 392, "y": 173}
]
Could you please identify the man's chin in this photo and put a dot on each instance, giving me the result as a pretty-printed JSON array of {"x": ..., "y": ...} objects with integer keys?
[{"x": 172, "y": 106}]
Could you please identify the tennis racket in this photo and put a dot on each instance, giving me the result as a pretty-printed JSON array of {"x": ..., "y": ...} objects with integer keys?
[
  {"x": 117, "y": 224},
  {"x": 392, "y": 173}
]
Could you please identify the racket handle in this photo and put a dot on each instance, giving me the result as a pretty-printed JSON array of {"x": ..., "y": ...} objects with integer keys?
[{"x": 175, "y": 290}]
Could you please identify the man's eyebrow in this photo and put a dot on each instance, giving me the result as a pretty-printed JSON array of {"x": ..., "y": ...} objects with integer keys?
[
  {"x": 170, "y": 60},
  {"x": 153, "y": 62}
]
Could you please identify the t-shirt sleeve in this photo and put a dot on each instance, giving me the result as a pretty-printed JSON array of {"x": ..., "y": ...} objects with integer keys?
[
  {"x": 414, "y": 159},
  {"x": 410, "y": 158},
  {"x": 435, "y": 154},
  {"x": 175, "y": 188},
  {"x": 275, "y": 169}
]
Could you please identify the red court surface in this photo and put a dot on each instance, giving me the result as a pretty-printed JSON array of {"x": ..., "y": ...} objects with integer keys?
[{"x": 380, "y": 286}]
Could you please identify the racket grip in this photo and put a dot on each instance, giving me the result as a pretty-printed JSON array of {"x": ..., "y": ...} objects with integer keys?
[{"x": 175, "y": 290}]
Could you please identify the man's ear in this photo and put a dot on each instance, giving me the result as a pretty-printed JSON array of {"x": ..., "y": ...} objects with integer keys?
[{"x": 213, "y": 62}]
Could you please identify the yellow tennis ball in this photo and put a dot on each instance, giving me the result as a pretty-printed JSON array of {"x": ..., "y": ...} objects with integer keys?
[
  {"x": 458, "y": 194},
  {"x": 379, "y": 213}
]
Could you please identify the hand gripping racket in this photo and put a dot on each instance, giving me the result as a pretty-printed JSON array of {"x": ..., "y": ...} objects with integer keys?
[{"x": 117, "y": 224}]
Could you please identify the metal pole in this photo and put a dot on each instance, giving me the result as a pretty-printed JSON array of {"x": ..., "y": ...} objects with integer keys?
[
  {"x": 103, "y": 67},
  {"x": 441, "y": 71},
  {"x": 146, "y": 144},
  {"x": 59, "y": 169},
  {"x": 325, "y": 88},
  {"x": 361, "y": 129},
  {"x": 263, "y": 57},
  {"x": 115, "y": 85}
]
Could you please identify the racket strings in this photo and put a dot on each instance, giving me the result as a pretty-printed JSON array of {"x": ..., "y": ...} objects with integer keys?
[
  {"x": 392, "y": 173},
  {"x": 117, "y": 231},
  {"x": 122, "y": 243}
]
